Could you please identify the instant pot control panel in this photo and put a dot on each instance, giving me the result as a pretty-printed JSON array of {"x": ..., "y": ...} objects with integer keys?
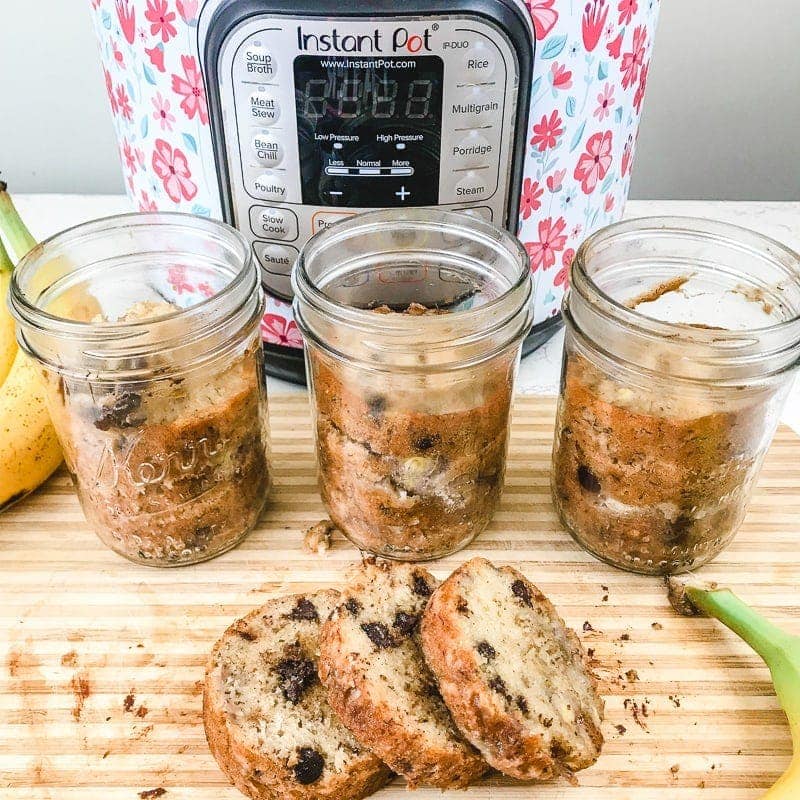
[{"x": 315, "y": 119}]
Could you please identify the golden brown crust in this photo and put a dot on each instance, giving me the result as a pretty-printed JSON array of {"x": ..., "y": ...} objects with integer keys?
[
  {"x": 258, "y": 775},
  {"x": 360, "y": 701},
  {"x": 480, "y": 712}
]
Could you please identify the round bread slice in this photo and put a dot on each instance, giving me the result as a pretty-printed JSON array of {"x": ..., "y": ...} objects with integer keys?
[
  {"x": 372, "y": 665},
  {"x": 267, "y": 718},
  {"x": 514, "y": 677}
]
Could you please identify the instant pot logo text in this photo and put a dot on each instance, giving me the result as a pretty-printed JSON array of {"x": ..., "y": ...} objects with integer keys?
[{"x": 401, "y": 41}]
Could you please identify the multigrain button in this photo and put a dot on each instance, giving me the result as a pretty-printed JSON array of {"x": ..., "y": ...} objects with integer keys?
[
  {"x": 275, "y": 258},
  {"x": 268, "y": 186},
  {"x": 479, "y": 62},
  {"x": 273, "y": 223},
  {"x": 267, "y": 149},
  {"x": 264, "y": 107},
  {"x": 471, "y": 187},
  {"x": 473, "y": 106},
  {"x": 258, "y": 64},
  {"x": 473, "y": 149}
]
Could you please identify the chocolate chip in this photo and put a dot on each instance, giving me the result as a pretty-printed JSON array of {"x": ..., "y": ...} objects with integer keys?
[
  {"x": 304, "y": 610},
  {"x": 296, "y": 674},
  {"x": 148, "y": 794},
  {"x": 309, "y": 766},
  {"x": 678, "y": 530},
  {"x": 522, "y": 704},
  {"x": 462, "y": 607},
  {"x": 588, "y": 479},
  {"x": 118, "y": 414},
  {"x": 376, "y": 405},
  {"x": 421, "y": 586},
  {"x": 378, "y": 634},
  {"x": 405, "y": 623},
  {"x": 246, "y": 635},
  {"x": 353, "y": 606},
  {"x": 587, "y": 626},
  {"x": 521, "y": 590},
  {"x": 486, "y": 650},
  {"x": 426, "y": 442},
  {"x": 499, "y": 686},
  {"x": 621, "y": 729}
]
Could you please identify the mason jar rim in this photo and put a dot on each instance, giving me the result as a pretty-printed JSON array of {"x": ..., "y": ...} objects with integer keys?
[
  {"x": 479, "y": 321},
  {"x": 27, "y": 312},
  {"x": 711, "y": 230},
  {"x": 231, "y": 301}
]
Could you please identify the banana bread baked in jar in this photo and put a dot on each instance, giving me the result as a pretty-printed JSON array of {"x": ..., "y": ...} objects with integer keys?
[
  {"x": 682, "y": 338},
  {"x": 413, "y": 322},
  {"x": 146, "y": 328}
]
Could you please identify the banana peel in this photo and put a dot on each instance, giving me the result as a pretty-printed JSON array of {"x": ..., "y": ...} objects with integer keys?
[
  {"x": 780, "y": 651},
  {"x": 29, "y": 448},
  {"x": 8, "y": 337}
]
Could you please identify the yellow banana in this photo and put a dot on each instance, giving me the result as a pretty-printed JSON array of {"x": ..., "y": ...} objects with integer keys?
[
  {"x": 780, "y": 651},
  {"x": 29, "y": 448},
  {"x": 8, "y": 339}
]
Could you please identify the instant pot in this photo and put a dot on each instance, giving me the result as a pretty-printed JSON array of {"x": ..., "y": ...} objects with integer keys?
[{"x": 284, "y": 116}]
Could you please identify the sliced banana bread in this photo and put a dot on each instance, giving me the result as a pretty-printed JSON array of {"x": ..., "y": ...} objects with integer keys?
[
  {"x": 372, "y": 665},
  {"x": 514, "y": 677},
  {"x": 267, "y": 718}
]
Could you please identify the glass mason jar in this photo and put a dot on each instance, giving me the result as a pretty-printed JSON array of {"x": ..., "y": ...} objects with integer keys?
[
  {"x": 682, "y": 338},
  {"x": 413, "y": 322},
  {"x": 146, "y": 329}
]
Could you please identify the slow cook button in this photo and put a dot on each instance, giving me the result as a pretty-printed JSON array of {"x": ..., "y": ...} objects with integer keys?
[
  {"x": 472, "y": 150},
  {"x": 275, "y": 258},
  {"x": 269, "y": 186},
  {"x": 273, "y": 223},
  {"x": 474, "y": 106},
  {"x": 257, "y": 64},
  {"x": 264, "y": 107},
  {"x": 471, "y": 187},
  {"x": 479, "y": 62},
  {"x": 267, "y": 149}
]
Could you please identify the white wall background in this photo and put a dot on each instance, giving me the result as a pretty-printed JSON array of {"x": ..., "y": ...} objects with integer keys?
[{"x": 721, "y": 119}]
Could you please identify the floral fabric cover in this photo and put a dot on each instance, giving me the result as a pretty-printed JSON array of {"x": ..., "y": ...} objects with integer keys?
[{"x": 591, "y": 67}]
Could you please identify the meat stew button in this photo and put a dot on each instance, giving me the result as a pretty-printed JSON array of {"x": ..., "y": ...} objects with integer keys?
[
  {"x": 264, "y": 107},
  {"x": 273, "y": 223}
]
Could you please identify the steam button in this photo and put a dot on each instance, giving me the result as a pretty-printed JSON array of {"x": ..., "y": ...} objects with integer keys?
[
  {"x": 479, "y": 62},
  {"x": 264, "y": 107},
  {"x": 258, "y": 64},
  {"x": 471, "y": 187},
  {"x": 267, "y": 149}
]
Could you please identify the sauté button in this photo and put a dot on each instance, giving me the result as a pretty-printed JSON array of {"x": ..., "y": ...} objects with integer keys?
[
  {"x": 273, "y": 223},
  {"x": 267, "y": 149},
  {"x": 264, "y": 107},
  {"x": 275, "y": 258},
  {"x": 258, "y": 64},
  {"x": 479, "y": 62},
  {"x": 471, "y": 187},
  {"x": 268, "y": 186},
  {"x": 473, "y": 149}
]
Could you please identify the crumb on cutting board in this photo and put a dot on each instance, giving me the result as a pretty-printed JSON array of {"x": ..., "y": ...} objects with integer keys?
[{"x": 317, "y": 539}]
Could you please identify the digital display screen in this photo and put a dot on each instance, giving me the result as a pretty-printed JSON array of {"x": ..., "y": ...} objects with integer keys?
[{"x": 369, "y": 130}]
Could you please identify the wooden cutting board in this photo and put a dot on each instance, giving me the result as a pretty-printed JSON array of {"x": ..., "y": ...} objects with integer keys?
[{"x": 101, "y": 661}]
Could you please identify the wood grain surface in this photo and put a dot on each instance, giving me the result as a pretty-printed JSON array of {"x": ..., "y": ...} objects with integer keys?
[{"x": 101, "y": 661}]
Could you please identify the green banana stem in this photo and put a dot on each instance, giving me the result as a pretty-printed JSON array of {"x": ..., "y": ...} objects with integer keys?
[
  {"x": 11, "y": 224},
  {"x": 6, "y": 264},
  {"x": 781, "y": 653}
]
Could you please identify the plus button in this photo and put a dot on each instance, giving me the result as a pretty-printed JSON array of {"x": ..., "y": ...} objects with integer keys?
[{"x": 402, "y": 194}]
